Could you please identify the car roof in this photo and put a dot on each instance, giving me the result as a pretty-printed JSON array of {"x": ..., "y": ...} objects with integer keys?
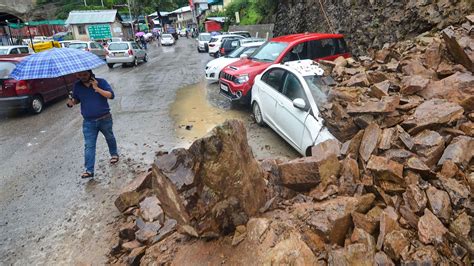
[
  {"x": 305, "y": 67},
  {"x": 13, "y": 46},
  {"x": 81, "y": 42},
  {"x": 252, "y": 44},
  {"x": 204, "y": 33},
  {"x": 226, "y": 35},
  {"x": 120, "y": 42},
  {"x": 292, "y": 38}
]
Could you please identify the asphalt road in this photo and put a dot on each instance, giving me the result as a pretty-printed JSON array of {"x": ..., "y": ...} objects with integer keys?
[{"x": 48, "y": 214}]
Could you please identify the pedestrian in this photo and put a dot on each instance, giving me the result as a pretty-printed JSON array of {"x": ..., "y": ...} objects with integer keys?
[
  {"x": 143, "y": 42},
  {"x": 93, "y": 94}
]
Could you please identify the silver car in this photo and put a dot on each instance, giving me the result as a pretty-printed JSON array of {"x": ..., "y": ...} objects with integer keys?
[
  {"x": 90, "y": 46},
  {"x": 125, "y": 53}
]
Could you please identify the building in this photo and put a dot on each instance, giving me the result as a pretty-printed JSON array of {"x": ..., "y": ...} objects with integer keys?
[
  {"x": 98, "y": 25},
  {"x": 218, "y": 5},
  {"x": 184, "y": 17}
]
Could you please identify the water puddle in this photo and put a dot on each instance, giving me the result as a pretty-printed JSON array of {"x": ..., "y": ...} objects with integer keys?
[{"x": 194, "y": 116}]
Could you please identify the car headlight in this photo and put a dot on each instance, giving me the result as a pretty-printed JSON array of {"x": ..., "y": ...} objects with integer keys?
[{"x": 241, "y": 79}]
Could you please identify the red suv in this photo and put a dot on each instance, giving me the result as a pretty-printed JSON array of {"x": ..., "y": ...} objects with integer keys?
[
  {"x": 236, "y": 80},
  {"x": 29, "y": 94}
]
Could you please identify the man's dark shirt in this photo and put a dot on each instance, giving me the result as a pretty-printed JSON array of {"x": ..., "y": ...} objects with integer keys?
[{"x": 93, "y": 105}]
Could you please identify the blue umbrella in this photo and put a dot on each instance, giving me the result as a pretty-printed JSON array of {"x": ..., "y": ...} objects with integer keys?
[{"x": 55, "y": 63}]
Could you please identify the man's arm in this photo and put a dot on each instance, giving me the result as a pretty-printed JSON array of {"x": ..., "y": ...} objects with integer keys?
[{"x": 106, "y": 91}]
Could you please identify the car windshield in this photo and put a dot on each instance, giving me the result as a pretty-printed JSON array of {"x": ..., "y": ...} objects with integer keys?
[
  {"x": 4, "y": 51},
  {"x": 269, "y": 51},
  {"x": 204, "y": 37},
  {"x": 242, "y": 50},
  {"x": 78, "y": 45},
  {"x": 167, "y": 36},
  {"x": 316, "y": 85},
  {"x": 6, "y": 69},
  {"x": 213, "y": 40},
  {"x": 118, "y": 46}
]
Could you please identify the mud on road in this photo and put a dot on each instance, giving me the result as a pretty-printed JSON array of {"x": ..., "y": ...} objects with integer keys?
[{"x": 48, "y": 215}]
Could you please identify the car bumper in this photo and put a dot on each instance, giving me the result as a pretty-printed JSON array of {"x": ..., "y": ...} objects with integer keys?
[
  {"x": 212, "y": 75},
  {"x": 234, "y": 92},
  {"x": 15, "y": 103},
  {"x": 117, "y": 60},
  {"x": 167, "y": 43}
]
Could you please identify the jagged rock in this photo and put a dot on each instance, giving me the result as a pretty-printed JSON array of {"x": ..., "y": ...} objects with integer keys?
[
  {"x": 369, "y": 141},
  {"x": 376, "y": 77},
  {"x": 467, "y": 128},
  {"x": 379, "y": 90},
  {"x": 381, "y": 259},
  {"x": 256, "y": 229},
  {"x": 449, "y": 169},
  {"x": 413, "y": 84},
  {"x": 359, "y": 80},
  {"x": 433, "y": 113},
  {"x": 290, "y": 251},
  {"x": 145, "y": 234},
  {"x": 364, "y": 222},
  {"x": 433, "y": 55},
  {"x": 413, "y": 68},
  {"x": 387, "y": 137},
  {"x": 424, "y": 255},
  {"x": 418, "y": 166},
  {"x": 429, "y": 145},
  {"x": 415, "y": 198},
  {"x": 361, "y": 236},
  {"x": 127, "y": 232},
  {"x": 352, "y": 146},
  {"x": 461, "y": 226},
  {"x": 388, "y": 223},
  {"x": 345, "y": 94},
  {"x": 382, "y": 56},
  {"x": 455, "y": 49},
  {"x": 350, "y": 177},
  {"x": 131, "y": 194},
  {"x": 131, "y": 245},
  {"x": 395, "y": 242},
  {"x": 446, "y": 69},
  {"x": 168, "y": 228},
  {"x": 387, "y": 104},
  {"x": 151, "y": 211},
  {"x": 459, "y": 151},
  {"x": 239, "y": 235},
  {"x": 457, "y": 191},
  {"x": 455, "y": 88},
  {"x": 439, "y": 203},
  {"x": 430, "y": 229},
  {"x": 410, "y": 217},
  {"x": 385, "y": 169},
  {"x": 323, "y": 149},
  {"x": 405, "y": 137}
]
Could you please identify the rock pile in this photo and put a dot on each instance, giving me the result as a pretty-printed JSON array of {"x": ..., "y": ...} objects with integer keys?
[{"x": 397, "y": 189}]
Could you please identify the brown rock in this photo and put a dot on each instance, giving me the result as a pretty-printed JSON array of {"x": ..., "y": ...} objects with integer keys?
[
  {"x": 131, "y": 194},
  {"x": 352, "y": 146},
  {"x": 415, "y": 198},
  {"x": 430, "y": 229},
  {"x": 405, "y": 137},
  {"x": 134, "y": 257},
  {"x": 145, "y": 234},
  {"x": 359, "y": 80},
  {"x": 151, "y": 211},
  {"x": 325, "y": 148},
  {"x": 387, "y": 137},
  {"x": 455, "y": 88},
  {"x": 364, "y": 222},
  {"x": 369, "y": 141},
  {"x": 387, "y": 225},
  {"x": 376, "y": 77},
  {"x": 453, "y": 47},
  {"x": 458, "y": 192},
  {"x": 424, "y": 255},
  {"x": 413, "y": 84},
  {"x": 446, "y": 69},
  {"x": 385, "y": 169},
  {"x": 361, "y": 236},
  {"x": 433, "y": 113},
  {"x": 239, "y": 235},
  {"x": 418, "y": 166},
  {"x": 290, "y": 251},
  {"x": 382, "y": 56},
  {"x": 345, "y": 94},
  {"x": 467, "y": 128},
  {"x": 381, "y": 259},
  {"x": 256, "y": 229},
  {"x": 439, "y": 203},
  {"x": 409, "y": 102},
  {"x": 359, "y": 254},
  {"x": 410, "y": 217},
  {"x": 127, "y": 232},
  {"x": 385, "y": 105},
  {"x": 461, "y": 226},
  {"x": 396, "y": 242},
  {"x": 168, "y": 228},
  {"x": 468, "y": 103},
  {"x": 429, "y": 145},
  {"x": 433, "y": 55},
  {"x": 449, "y": 169},
  {"x": 379, "y": 90},
  {"x": 398, "y": 155},
  {"x": 177, "y": 165},
  {"x": 415, "y": 67},
  {"x": 460, "y": 151},
  {"x": 131, "y": 245},
  {"x": 350, "y": 177}
]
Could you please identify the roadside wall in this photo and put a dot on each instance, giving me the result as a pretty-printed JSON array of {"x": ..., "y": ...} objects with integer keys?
[
  {"x": 369, "y": 23},
  {"x": 260, "y": 31}
]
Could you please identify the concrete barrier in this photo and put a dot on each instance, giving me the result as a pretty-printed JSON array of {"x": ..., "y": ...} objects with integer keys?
[{"x": 260, "y": 31}]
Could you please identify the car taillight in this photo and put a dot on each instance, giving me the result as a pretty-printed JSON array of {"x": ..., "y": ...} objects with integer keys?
[
  {"x": 130, "y": 52},
  {"x": 22, "y": 87},
  {"x": 222, "y": 51}
]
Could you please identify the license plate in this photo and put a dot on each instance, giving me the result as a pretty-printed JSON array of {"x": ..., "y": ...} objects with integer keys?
[{"x": 224, "y": 87}]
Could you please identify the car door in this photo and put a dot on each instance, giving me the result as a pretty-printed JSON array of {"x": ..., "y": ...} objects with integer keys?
[
  {"x": 138, "y": 51},
  {"x": 14, "y": 51},
  {"x": 269, "y": 88},
  {"x": 47, "y": 88},
  {"x": 94, "y": 48},
  {"x": 298, "y": 52},
  {"x": 289, "y": 119}
]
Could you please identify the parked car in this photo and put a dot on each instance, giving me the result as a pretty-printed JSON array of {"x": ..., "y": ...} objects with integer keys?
[
  {"x": 203, "y": 42},
  {"x": 182, "y": 33},
  {"x": 216, "y": 41},
  {"x": 214, "y": 67},
  {"x": 286, "y": 98},
  {"x": 245, "y": 34},
  {"x": 236, "y": 80},
  {"x": 247, "y": 40},
  {"x": 65, "y": 44},
  {"x": 228, "y": 45},
  {"x": 90, "y": 46},
  {"x": 17, "y": 95},
  {"x": 125, "y": 53},
  {"x": 15, "y": 50},
  {"x": 167, "y": 39}
]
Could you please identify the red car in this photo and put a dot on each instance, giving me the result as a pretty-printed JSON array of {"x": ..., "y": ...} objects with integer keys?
[
  {"x": 236, "y": 80},
  {"x": 16, "y": 95}
]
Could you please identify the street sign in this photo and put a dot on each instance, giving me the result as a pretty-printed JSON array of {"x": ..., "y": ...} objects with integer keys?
[{"x": 99, "y": 32}]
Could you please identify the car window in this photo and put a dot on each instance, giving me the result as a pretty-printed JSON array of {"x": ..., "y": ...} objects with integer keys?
[
  {"x": 135, "y": 46},
  {"x": 117, "y": 46},
  {"x": 250, "y": 50},
  {"x": 274, "y": 78},
  {"x": 204, "y": 37},
  {"x": 323, "y": 48},
  {"x": 78, "y": 45},
  {"x": 14, "y": 51},
  {"x": 6, "y": 69},
  {"x": 167, "y": 36},
  {"x": 269, "y": 51},
  {"x": 3, "y": 51},
  {"x": 299, "y": 52},
  {"x": 315, "y": 84},
  {"x": 213, "y": 40},
  {"x": 341, "y": 46},
  {"x": 24, "y": 50},
  {"x": 293, "y": 89},
  {"x": 93, "y": 45},
  {"x": 237, "y": 52}
]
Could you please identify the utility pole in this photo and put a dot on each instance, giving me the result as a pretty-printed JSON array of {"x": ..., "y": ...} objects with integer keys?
[
  {"x": 130, "y": 15},
  {"x": 85, "y": 2},
  {"x": 102, "y": 2}
]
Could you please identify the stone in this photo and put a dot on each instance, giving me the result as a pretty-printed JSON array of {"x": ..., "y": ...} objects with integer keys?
[
  {"x": 458, "y": 192},
  {"x": 416, "y": 68},
  {"x": 424, "y": 255},
  {"x": 410, "y": 217},
  {"x": 131, "y": 194},
  {"x": 376, "y": 77},
  {"x": 305, "y": 173},
  {"x": 413, "y": 84},
  {"x": 168, "y": 228},
  {"x": 227, "y": 184},
  {"x": 350, "y": 177},
  {"x": 239, "y": 235},
  {"x": 430, "y": 229},
  {"x": 382, "y": 56},
  {"x": 131, "y": 245},
  {"x": 387, "y": 225},
  {"x": 449, "y": 169},
  {"x": 352, "y": 146},
  {"x": 151, "y": 211},
  {"x": 359, "y": 254},
  {"x": 177, "y": 165},
  {"x": 455, "y": 88},
  {"x": 387, "y": 104},
  {"x": 364, "y": 222},
  {"x": 359, "y": 80},
  {"x": 385, "y": 169},
  {"x": 455, "y": 49},
  {"x": 468, "y": 103},
  {"x": 461, "y": 226},
  {"x": 440, "y": 204},
  {"x": 415, "y": 198},
  {"x": 361, "y": 236},
  {"x": 127, "y": 231},
  {"x": 429, "y": 145},
  {"x": 432, "y": 114},
  {"x": 467, "y": 128},
  {"x": 381, "y": 259},
  {"x": 418, "y": 166},
  {"x": 379, "y": 90},
  {"x": 446, "y": 69},
  {"x": 290, "y": 251},
  {"x": 369, "y": 141},
  {"x": 433, "y": 55},
  {"x": 405, "y": 137},
  {"x": 256, "y": 229},
  {"x": 398, "y": 155},
  {"x": 396, "y": 242},
  {"x": 460, "y": 151},
  {"x": 145, "y": 234},
  {"x": 325, "y": 148},
  {"x": 387, "y": 137},
  {"x": 134, "y": 257}
]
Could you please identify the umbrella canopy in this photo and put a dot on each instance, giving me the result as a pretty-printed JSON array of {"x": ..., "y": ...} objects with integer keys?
[
  {"x": 148, "y": 35},
  {"x": 55, "y": 63},
  {"x": 139, "y": 34}
]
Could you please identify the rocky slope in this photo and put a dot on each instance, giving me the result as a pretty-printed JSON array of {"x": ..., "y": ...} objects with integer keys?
[{"x": 369, "y": 23}]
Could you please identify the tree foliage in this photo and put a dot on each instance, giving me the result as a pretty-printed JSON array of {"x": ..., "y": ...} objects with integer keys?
[{"x": 251, "y": 11}]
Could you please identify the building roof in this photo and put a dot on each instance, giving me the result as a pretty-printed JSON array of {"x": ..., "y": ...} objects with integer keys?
[
  {"x": 92, "y": 16},
  {"x": 217, "y": 19},
  {"x": 162, "y": 13},
  {"x": 183, "y": 9}
]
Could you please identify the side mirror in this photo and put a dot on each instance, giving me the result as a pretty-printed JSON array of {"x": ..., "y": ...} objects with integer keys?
[
  {"x": 244, "y": 56},
  {"x": 299, "y": 103}
]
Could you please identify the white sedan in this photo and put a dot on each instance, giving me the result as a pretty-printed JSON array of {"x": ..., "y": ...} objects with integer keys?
[
  {"x": 214, "y": 67},
  {"x": 285, "y": 97},
  {"x": 167, "y": 39}
]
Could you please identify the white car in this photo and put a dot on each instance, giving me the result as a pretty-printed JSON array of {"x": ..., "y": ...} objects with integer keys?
[
  {"x": 203, "y": 42},
  {"x": 125, "y": 53},
  {"x": 15, "y": 49},
  {"x": 216, "y": 41},
  {"x": 285, "y": 97},
  {"x": 214, "y": 67},
  {"x": 167, "y": 39}
]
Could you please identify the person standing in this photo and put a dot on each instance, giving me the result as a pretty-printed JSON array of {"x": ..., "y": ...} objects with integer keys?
[{"x": 93, "y": 95}]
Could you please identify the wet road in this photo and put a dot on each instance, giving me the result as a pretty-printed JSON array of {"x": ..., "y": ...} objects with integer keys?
[{"x": 48, "y": 215}]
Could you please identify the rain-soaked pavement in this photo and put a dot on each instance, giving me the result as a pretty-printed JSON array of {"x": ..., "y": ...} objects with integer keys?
[{"x": 48, "y": 215}]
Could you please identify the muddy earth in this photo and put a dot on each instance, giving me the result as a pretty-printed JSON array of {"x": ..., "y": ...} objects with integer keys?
[{"x": 48, "y": 214}]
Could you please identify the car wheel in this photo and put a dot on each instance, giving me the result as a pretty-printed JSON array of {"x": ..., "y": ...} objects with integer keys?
[
  {"x": 37, "y": 104},
  {"x": 110, "y": 65},
  {"x": 145, "y": 59},
  {"x": 257, "y": 114}
]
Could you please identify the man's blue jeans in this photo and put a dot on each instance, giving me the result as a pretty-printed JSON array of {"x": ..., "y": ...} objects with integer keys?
[{"x": 91, "y": 129}]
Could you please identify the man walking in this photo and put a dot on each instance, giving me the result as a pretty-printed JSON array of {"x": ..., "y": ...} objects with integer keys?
[{"x": 93, "y": 94}]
